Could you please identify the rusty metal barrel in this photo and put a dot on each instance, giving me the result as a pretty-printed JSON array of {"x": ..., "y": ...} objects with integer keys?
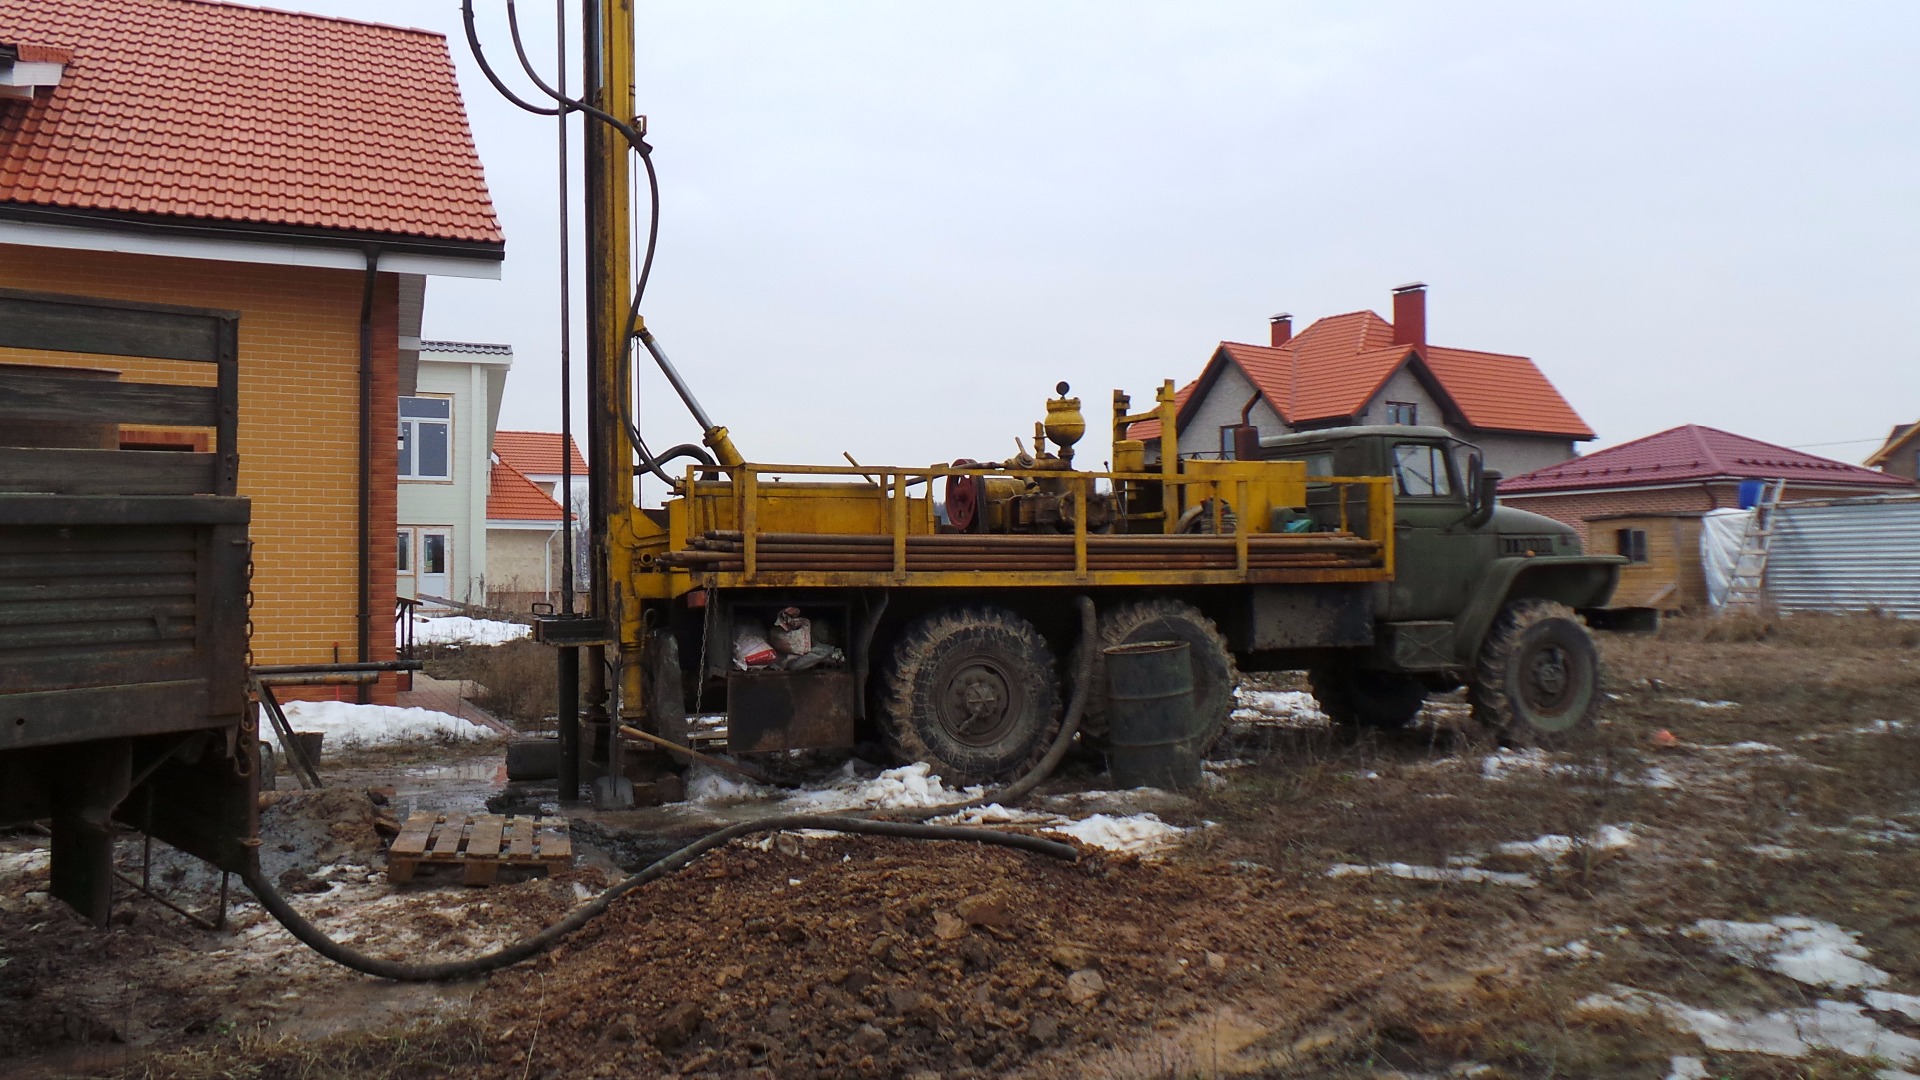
[{"x": 1153, "y": 731}]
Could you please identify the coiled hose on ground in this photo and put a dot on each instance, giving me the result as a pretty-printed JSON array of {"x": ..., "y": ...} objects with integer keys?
[{"x": 914, "y": 828}]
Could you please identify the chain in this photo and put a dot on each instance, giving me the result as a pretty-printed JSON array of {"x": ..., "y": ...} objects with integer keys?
[
  {"x": 700, "y": 673},
  {"x": 249, "y": 605}
]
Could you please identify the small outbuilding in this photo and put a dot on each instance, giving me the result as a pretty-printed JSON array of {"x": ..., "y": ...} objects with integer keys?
[{"x": 1663, "y": 547}]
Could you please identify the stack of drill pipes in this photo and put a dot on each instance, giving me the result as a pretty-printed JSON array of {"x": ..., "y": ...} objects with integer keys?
[{"x": 733, "y": 541}]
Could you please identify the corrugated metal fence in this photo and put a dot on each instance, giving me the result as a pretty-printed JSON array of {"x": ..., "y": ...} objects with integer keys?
[{"x": 1847, "y": 555}]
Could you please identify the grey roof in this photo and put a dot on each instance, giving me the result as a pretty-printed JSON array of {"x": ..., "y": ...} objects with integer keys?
[{"x": 466, "y": 347}]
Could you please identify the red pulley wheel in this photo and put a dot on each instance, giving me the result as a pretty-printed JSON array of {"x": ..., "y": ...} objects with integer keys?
[{"x": 963, "y": 499}]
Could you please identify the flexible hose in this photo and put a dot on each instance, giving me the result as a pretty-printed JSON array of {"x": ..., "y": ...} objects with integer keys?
[{"x": 527, "y": 948}]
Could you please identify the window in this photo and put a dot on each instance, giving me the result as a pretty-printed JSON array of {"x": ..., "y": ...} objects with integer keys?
[
  {"x": 403, "y": 554},
  {"x": 433, "y": 553},
  {"x": 1421, "y": 470},
  {"x": 1403, "y": 413},
  {"x": 426, "y": 438},
  {"x": 1632, "y": 543},
  {"x": 1228, "y": 434}
]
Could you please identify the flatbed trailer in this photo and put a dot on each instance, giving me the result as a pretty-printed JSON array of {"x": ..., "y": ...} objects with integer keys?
[{"x": 123, "y": 590}]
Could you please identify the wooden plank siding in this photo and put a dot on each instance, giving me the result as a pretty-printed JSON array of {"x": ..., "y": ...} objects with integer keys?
[{"x": 1671, "y": 578}]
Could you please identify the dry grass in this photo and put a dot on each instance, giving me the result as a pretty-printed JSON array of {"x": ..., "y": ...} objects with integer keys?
[
  {"x": 520, "y": 679},
  {"x": 434, "y": 1048}
]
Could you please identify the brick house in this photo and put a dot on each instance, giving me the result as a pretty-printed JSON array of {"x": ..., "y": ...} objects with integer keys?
[
  {"x": 1900, "y": 454},
  {"x": 204, "y": 154},
  {"x": 525, "y": 560},
  {"x": 1358, "y": 368},
  {"x": 1689, "y": 468}
]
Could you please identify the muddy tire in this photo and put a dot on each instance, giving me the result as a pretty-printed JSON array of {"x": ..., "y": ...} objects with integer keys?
[
  {"x": 1538, "y": 678},
  {"x": 971, "y": 692},
  {"x": 1214, "y": 673},
  {"x": 1356, "y": 698}
]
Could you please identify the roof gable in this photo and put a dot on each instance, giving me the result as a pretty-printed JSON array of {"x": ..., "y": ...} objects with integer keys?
[
  {"x": 1901, "y": 437},
  {"x": 1692, "y": 452},
  {"x": 513, "y": 497},
  {"x": 244, "y": 117},
  {"x": 1335, "y": 367},
  {"x": 537, "y": 452}
]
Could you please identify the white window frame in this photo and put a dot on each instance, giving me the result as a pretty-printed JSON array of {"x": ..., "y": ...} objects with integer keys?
[
  {"x": 409, "y": 444},
  {"x": 403, "y": 550}
]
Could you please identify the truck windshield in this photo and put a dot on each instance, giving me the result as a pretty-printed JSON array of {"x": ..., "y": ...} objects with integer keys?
[{"x": 1421, "y": 471}]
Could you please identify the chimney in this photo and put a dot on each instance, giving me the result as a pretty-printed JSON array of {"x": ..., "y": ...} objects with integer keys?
[
  {"x": 1410, "y": 314},
  {"x": 1281, "y": 326}
]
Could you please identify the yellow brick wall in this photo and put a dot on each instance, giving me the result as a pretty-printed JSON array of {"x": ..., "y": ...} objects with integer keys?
[{"x": 299, "y": 407}]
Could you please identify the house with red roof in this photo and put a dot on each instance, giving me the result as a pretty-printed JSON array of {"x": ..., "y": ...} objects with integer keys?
[
  {"x": 1900, "y": 454},
  {"x": 309, "y": 173},
  {"x": 539, "y": 456},
  {"x": 1358, "y": 368},
  {"x": 1683, "y": 471}
]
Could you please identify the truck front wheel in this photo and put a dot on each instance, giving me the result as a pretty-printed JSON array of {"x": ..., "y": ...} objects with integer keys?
[
  {"x": 970, "y": 691},
  {"x": 1538, "y": 681},
  {"x": 1354, "y": 697}
]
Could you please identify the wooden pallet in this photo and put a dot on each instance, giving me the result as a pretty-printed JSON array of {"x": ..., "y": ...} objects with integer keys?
[{"x": 480, "y": 844}]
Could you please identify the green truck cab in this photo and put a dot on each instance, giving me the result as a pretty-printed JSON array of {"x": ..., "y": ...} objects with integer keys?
[{"x": 1486, "y": 596}]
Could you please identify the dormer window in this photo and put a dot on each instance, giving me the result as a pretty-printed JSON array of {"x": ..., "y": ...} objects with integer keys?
[{"x": 26, "y": 70}]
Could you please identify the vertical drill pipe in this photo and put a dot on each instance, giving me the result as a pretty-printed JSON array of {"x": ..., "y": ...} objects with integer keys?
[
  {"x": 566, "y": 338},
  {"x": 569, "y": 723}
]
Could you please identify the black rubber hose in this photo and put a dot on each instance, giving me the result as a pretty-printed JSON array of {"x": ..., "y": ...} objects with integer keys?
[{"x": 527, "y": 948}]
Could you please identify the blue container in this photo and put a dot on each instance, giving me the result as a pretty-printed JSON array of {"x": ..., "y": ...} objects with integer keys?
[{"x": 1751, "y": 492}]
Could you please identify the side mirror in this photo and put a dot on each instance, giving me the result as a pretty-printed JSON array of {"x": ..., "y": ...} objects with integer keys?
[{"x": 1483, "y": 484}]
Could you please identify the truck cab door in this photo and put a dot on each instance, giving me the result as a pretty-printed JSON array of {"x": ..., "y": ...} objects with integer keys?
[{"x": 1435, "y": 552}]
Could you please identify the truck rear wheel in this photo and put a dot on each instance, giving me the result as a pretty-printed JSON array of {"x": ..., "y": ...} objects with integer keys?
[
  {"x": 971, "y": 692},
  {"x": 1354, "y": 697},
  {"x": 1214, "y": 673},
  {"x": 1538, "y": 680}
]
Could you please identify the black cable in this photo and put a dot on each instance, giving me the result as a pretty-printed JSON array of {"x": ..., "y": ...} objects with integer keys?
[
  {"x": 480, "y": 57},
  {"x": 527, "y": 948}
]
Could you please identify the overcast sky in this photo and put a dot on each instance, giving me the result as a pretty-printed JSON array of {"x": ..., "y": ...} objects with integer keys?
[{"x": 889, "y": 228}]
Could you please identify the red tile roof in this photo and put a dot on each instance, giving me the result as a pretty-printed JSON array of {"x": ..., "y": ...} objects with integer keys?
[
  {"x": 536, "y": 452},
  {"x": 243, "y": 116},
  {"x": 513, "y": 497},
  {"x": 1333, "y": 368},
  {"x": 1691, "y": 453}
]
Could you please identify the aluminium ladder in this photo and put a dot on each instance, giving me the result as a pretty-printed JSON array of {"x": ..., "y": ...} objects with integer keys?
[{"x": 1746, "y": 582}]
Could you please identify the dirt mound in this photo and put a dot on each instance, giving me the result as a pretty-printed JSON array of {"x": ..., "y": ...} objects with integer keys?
[{"x": 864, "y": 957}]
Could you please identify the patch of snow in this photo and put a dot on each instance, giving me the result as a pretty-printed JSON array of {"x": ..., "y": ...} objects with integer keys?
[
  {"x": 1497, "y": 765},
  {"x": 709, "y": 784},
  {"x": 461, "y": 630},
  {"x": 348, "y": 724},
  {"x": 1657, "y": 777},
  {"x": 25, "y": 862},
  {"x": 1806, "y": 950},
  {"x": 1887, "y": 1001},
  {"x": 907, "y": 787},
  {"x": 1698, "y": 704},
  {"x": 1577, "y": 951},
  {"x": 1413, "y": 872},
  {"x": 1774, "y": 851},
  {"x": 1748, "y": 747},
  {"x": 1834, "y": 1025},
  {"x": 1556, "y": 846},
  {"x": 1686, "y": 1068},
  {"x": 1289, "y": 708},
  {"x": 1135, "y": 834}
]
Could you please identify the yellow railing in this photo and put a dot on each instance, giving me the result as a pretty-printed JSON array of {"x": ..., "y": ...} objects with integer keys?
[{"x": 867, "y": 500}]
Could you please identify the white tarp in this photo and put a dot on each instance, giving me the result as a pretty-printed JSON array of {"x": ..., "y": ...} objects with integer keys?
[{"x": 1721, "y": 533}]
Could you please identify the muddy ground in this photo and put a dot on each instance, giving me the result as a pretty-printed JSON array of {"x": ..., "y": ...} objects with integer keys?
[{"x": 1732, "y": 893}]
